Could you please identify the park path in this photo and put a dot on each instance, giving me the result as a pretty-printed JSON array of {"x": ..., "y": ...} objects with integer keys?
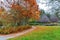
[{"x": 5, "y": 37}]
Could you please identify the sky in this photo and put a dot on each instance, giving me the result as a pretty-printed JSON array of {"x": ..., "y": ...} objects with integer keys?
[
  {"x": 48, "y": 5},
  {"x": 43, "y": 4}
]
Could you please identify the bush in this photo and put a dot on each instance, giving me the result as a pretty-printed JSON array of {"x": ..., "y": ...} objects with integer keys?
[{"x": 8, "y": 30}]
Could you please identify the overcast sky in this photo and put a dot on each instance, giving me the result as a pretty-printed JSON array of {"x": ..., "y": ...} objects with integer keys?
[{"x": 48, "y": 5}]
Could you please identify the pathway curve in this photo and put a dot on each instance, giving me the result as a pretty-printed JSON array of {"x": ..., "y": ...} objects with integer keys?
[{"x": 5, "y": 37}]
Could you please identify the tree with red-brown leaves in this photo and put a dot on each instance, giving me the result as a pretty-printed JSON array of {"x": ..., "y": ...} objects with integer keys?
[{"x": 22, "y": 13}]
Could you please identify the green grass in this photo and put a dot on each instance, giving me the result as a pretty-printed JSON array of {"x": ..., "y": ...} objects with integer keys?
[{"x": 41, "y": 33}]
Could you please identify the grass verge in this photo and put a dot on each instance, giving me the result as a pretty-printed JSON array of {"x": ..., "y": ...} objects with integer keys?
[{"x": 41, "y": 33}]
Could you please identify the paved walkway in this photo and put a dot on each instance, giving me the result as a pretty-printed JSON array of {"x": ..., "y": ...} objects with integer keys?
[{"x": 5, "y": 37}]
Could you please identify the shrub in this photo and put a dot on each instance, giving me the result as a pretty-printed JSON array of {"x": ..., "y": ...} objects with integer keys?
[{"x": 9, "y": 30}]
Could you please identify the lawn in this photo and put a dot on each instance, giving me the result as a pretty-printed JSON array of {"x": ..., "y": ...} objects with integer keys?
[{"x": 41, "y": 33}]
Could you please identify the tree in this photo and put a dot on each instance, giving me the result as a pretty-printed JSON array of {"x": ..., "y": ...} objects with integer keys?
[
  {"x": 20, "y": 15},
  {"x": 31, "y": 12}
]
